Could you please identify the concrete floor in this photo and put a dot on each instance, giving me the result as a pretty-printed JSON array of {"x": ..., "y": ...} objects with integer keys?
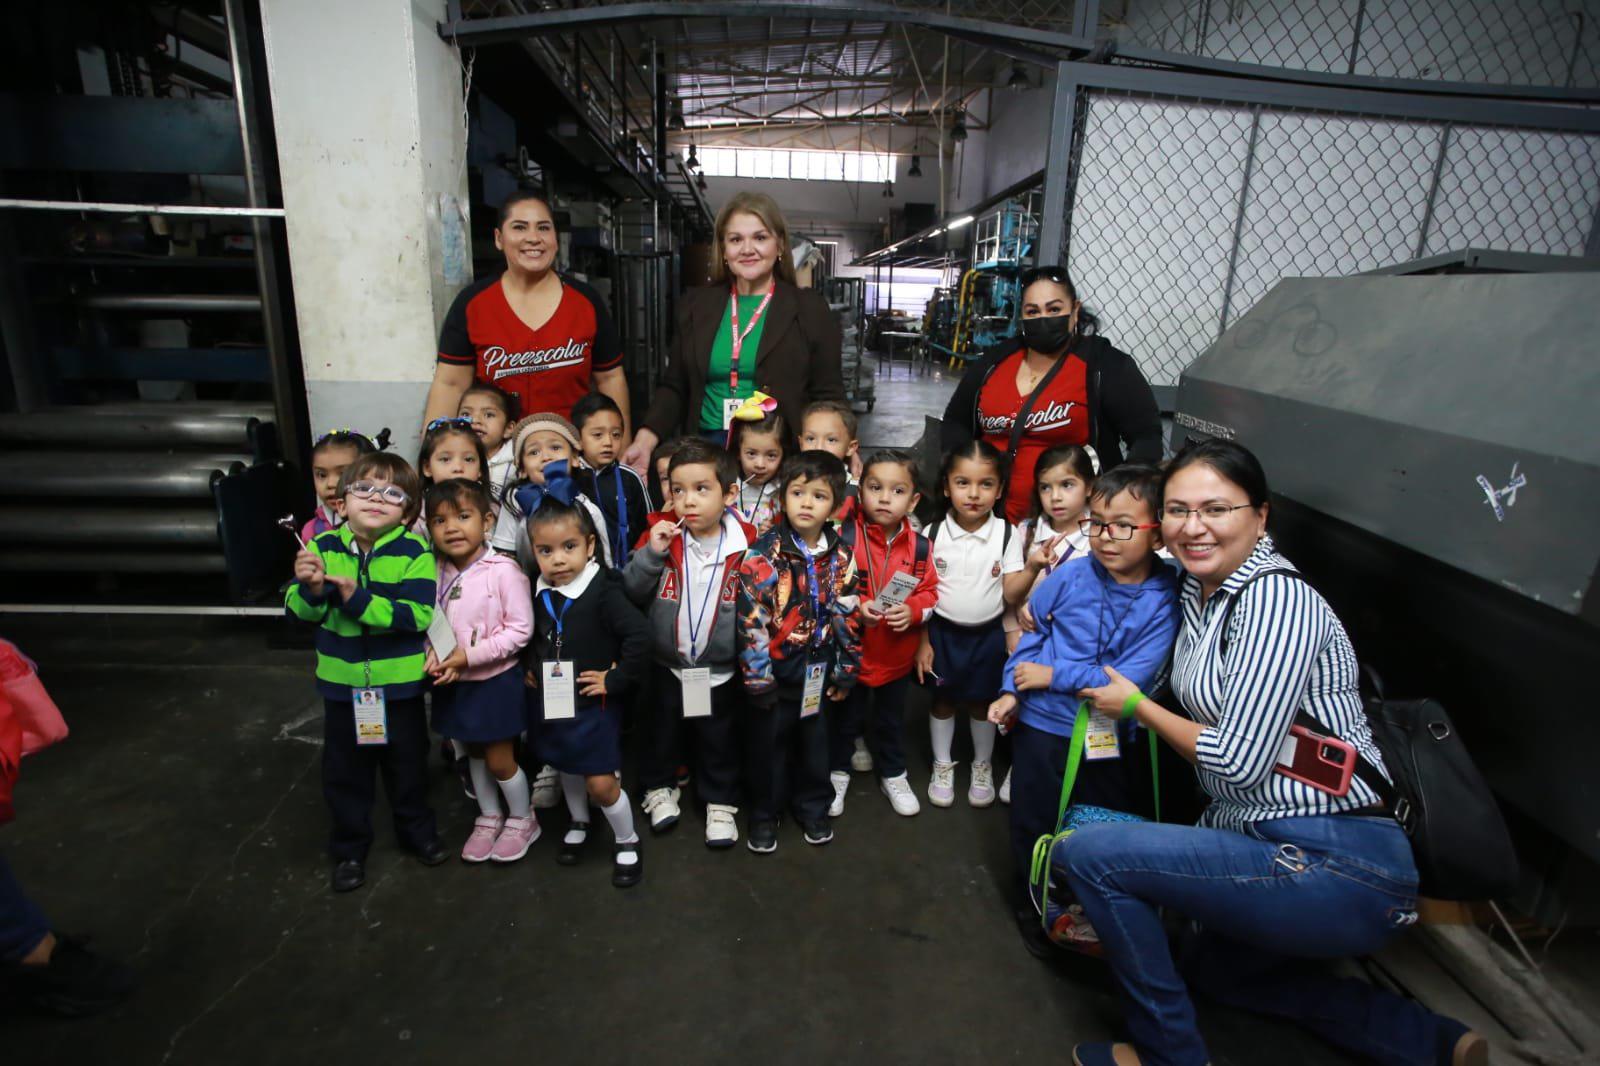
[
  {"x": 903, "y": 399},
  {"x": 182, "y": 826}
]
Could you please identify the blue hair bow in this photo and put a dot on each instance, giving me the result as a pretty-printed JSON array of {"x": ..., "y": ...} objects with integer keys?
[{"x": 558, "y": 483}]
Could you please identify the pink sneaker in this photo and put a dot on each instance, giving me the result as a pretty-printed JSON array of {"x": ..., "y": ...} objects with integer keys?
[
  {"x": 518, "y": 835},
  {"x": 480, "y": 844}
]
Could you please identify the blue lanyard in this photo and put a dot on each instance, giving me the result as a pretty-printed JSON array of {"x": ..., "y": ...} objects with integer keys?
[
  {"x": 815, "y": 590},
  {"x": 696, "y": 617},
  {"x": 555, "y": 614},
  {"x": 619, "y": 554}
]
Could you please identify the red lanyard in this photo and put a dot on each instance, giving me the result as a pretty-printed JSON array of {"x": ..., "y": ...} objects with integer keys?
[{"x": 738, "y": 338}]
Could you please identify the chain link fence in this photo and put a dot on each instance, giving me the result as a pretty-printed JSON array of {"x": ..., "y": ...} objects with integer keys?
[
  {"x": 1183, "y": 213},
  {"x": 1526, "y": 42}
]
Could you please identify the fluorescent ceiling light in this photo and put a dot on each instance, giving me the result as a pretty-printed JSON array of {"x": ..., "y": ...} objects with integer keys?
[{"x": 958, "y": 223}]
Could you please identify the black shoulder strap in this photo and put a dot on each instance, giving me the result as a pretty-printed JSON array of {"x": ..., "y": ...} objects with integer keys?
[
  {"x": 1364, "y": 770},
  {"x": 1021, "y": 424},
  {"x": 920, "y": 563}
]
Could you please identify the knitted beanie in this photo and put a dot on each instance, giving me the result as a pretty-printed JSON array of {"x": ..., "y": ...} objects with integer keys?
[{"x": 541, "y": 422}]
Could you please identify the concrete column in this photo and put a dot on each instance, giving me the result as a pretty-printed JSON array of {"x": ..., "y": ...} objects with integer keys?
[{"x": 367, "y": 105}]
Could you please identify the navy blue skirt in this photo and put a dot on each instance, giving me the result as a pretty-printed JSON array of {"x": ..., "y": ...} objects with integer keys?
[
  {"x": 478, "y": 712},
  {"x": 590, "y": 743},
  {"x": 970, "y": 660}
]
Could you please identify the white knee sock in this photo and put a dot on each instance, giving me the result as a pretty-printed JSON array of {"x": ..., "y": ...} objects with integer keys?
[
  {"x": 577, "y": 793},
  {"x": 983, "y": 733},
  {"x": 483, "y": 786},
  {"x": 620, "y": 815},
  {"x": 515, "y": 790},
  {"x": 944, "y": 735}
]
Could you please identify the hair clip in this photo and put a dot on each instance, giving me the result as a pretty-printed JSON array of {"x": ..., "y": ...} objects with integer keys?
[{"x": 758, "y": 406}]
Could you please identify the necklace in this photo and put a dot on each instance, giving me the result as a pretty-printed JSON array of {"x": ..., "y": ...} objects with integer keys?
[{"x": 1027, "y": 377}]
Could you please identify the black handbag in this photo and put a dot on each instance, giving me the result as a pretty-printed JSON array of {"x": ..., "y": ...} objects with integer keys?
[{"x": 1458, "y": 836}]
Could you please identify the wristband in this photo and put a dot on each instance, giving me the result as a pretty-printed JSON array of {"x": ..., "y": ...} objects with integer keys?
[{"x": 1131, "y": 704}]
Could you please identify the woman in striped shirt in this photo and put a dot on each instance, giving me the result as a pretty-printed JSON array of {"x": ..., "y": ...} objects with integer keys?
[{"x": 1278, "y": 871}]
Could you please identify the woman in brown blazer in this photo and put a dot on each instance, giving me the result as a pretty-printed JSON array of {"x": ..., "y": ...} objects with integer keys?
[{"x": 751, "y": 329}]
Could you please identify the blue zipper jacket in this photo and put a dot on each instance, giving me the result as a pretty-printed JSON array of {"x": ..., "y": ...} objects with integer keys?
[{"x": 1083, "y": 620}]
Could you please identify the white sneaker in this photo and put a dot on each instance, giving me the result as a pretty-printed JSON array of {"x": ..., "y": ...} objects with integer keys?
[
  {"x": 841, "y": 784},
  {"x": 546, "y": 788},
  {"x": 661, "y": 804},
  {"x": 722, "y": 825},
  {"x": 942, "y": 785},
  {"x": 861, "y": 761},
  {"x": 1005, "y": 788},
  {"x": 901, "y": 797},
  {"x": 981, "y": 792}
]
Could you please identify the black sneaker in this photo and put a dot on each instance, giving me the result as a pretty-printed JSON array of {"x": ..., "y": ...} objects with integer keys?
[
  {"x": 819, "y": 832},
  {"x": 763, "y": 838},
  {"x": 75, "y": 982}
]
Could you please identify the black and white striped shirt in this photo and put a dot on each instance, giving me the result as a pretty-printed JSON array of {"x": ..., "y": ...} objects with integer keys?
[{"x": 1285, "y": 650}]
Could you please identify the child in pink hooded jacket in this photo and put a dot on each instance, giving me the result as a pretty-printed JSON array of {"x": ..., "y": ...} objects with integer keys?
[{"x": 478, "y": 701}]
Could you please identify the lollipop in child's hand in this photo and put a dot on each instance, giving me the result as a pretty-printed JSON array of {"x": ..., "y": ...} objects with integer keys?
[{"x": 287, "y": 522}]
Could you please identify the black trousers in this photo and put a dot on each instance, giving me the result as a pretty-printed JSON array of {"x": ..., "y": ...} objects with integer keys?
[
  {"x": 1038, "y": 762},
  {"x": 879, "y": 714},
  {"x": 349, "y": 770},
  {"x": 715, "y": 740},
  {"x": 786, "y": 761}
]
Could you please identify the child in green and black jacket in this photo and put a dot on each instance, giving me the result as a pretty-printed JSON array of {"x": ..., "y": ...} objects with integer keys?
[{"x": 370, "y": 585}]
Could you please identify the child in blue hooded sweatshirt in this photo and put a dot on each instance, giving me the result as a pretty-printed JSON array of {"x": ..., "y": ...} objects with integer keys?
[{"x": 1120, "y": 610}]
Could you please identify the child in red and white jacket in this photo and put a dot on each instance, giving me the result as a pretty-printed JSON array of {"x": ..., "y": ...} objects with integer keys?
[
  {"x": 899, "y": 590},
  {"x": 685, "y": 574}
]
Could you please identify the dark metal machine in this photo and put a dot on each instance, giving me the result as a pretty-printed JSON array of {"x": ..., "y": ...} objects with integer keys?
[{"x": 1432, "y": 444}]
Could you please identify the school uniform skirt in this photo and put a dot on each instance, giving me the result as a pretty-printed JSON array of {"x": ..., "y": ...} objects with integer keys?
[
  {"x": 590, "y": 743},
  {"x": 970, "y": 660},
  {"x": 478, "y": 712}
]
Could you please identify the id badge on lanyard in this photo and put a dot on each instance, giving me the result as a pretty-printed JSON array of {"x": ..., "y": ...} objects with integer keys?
[
  {"x": 736, "y": 344},
  {"x": 558, "y": 680},
  {"x": 816, "y": 681},
  {"x": 559, "y": 690},
  {"x": 697, "y": 692},
  {"x": 1101, "y": 740},
  {"x": 371, "y": 715}
]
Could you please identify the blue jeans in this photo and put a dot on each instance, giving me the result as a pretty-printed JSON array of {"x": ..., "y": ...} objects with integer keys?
[
  {"x": 22, "y": 925},
  {"x": 1294, "y": 889}
]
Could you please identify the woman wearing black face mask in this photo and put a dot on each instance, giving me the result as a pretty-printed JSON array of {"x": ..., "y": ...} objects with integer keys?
[{"x": 1083, "y": 391}]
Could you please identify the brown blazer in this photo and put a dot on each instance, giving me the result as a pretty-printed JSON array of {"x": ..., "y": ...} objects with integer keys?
[{"x": 797, "y": 361}]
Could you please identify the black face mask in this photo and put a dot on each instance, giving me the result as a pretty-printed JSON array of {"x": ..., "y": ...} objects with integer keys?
[{"x": 1047, "y": 333}]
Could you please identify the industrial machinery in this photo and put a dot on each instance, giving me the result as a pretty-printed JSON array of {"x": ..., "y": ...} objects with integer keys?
[
  {"x": 1431, "y": 444},
  {"x": 988, "y": 298}
]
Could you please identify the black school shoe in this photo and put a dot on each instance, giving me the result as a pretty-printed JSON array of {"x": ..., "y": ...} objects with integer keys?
[
  {"x": 75, "y": 982},
  {"x": 628, "y": 874},
  {"x": 349, "y": 875},
  {"x": 431, "y": 853},
  {"x": 763, "y": 838},
  {"x": 571, "y": 854},
  {"x": 819, "y": 831}
]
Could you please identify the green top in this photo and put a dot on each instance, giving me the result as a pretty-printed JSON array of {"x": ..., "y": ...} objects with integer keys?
[
  {"x": 722, "y": 360},
  {"x": 376, "y": 637}
]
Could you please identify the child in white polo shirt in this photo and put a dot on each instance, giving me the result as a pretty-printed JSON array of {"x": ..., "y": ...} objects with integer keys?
[{"x": 981, "y": 571}]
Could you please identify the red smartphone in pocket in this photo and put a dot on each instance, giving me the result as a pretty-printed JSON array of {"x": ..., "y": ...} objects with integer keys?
[{"x": 1325, "y": 763}]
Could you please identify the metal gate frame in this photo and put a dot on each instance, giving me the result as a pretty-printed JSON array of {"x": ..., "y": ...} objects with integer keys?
[{"x": 1077, "y": 81}]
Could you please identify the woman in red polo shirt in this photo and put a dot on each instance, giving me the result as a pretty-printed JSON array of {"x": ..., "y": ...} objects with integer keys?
[
  {"x": 542, "y": 337},
  {"x": 1091, "y": 393}
]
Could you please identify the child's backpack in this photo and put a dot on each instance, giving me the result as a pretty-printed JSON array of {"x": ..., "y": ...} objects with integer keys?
[{"x": 1063, "y": 919}]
